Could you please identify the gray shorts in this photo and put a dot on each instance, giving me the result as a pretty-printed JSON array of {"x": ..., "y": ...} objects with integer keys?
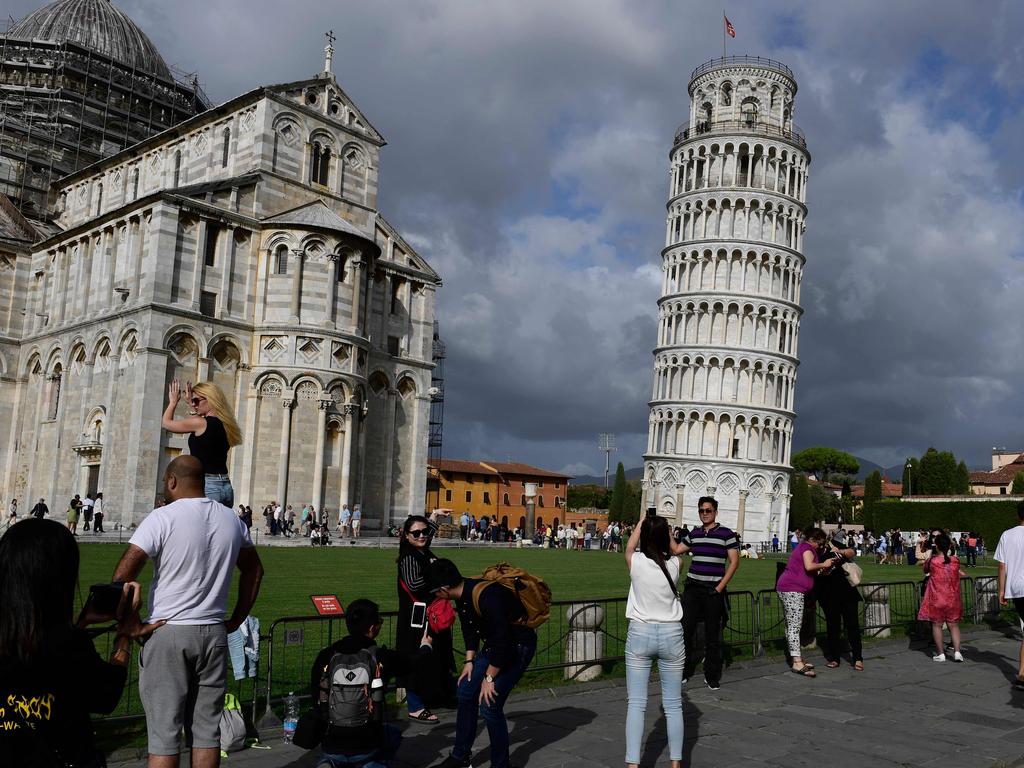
[{"x": 182, "y": 681}]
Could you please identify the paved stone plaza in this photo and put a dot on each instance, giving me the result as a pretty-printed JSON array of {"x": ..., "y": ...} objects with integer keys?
[{"x": 904, "y": 710}]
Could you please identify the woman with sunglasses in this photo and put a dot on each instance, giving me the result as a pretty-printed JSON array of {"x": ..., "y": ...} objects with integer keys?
[
  {"x": 434, "y": 681},
  {"x": 212, "y": 431}
]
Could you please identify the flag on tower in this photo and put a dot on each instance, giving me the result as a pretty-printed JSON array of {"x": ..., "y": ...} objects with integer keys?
[{"x": 730, "y": 30}]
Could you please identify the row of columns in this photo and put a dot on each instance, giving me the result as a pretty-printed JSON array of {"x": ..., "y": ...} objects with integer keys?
[
  {"x": 652, "y": 495},
  {"x": 721, "y": 383},
  {"x": 725, "y": 170},
  {"x": 730, "y": 329},
  {"x": 707, "y": 223},
  {"x": 693, "y": 274},
  {"x": 70, "y": 296},
  {"x": 700, "y": 437}
]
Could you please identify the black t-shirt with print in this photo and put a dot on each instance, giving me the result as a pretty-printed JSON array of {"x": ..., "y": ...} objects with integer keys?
[{"x": 54, "y": 697}]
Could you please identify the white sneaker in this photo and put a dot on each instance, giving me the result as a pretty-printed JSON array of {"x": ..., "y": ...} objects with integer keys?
[
  {"x": 957, "y": 656},
  {"x": 939, "y": 657}
]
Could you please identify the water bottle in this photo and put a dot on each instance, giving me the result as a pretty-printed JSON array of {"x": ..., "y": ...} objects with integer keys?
[
  {"x": 291, "y": 716},
  {"x": 377, "y": 697}
]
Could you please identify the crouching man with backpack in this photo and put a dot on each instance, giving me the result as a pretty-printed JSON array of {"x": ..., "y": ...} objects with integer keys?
[
  {"x": 500, "y": 642},
  {"x": 347, "y": 682}
]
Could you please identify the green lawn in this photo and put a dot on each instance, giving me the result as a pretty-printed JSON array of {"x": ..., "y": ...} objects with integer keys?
[{"x": 292, "y": 574}]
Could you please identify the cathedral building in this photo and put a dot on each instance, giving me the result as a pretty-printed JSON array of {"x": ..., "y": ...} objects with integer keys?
[
  {"x": 242, "y": 245},
  {"x": 722, "y": 407}
]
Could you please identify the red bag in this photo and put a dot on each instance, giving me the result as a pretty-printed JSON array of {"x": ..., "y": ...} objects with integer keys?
[{"x": 440, "y": 613}]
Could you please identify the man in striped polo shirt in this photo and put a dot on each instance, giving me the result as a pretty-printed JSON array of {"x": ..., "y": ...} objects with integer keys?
[{"x": 716, "y": 557}]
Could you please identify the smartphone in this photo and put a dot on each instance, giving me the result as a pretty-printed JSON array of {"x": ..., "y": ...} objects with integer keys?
[
  {"x": 652, "y": 511},
  {"x": 104, "y": 598},
  {"x": 419, "y": 615}
]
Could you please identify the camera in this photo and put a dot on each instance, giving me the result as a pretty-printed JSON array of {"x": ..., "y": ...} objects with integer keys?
[
  {"x": 104, "y": 598},
  {"x": 652, "y": 512}
]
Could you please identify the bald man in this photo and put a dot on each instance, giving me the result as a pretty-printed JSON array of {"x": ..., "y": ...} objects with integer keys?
[{"x": 195, "y": 545}]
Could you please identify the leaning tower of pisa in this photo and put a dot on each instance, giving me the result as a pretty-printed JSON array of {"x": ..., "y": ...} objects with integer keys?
[{"x": 721, "y": 413}]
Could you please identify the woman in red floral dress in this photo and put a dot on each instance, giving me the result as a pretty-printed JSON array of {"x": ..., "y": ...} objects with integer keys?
[{"x": 941, "y": 603}]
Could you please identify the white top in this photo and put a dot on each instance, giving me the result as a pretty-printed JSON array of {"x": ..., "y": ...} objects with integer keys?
[
  {"x": 87, "y": 502},
  {"x": 650, "y": 598},
  {"x": 1010, "y": 552},
  {"x": 194, "y": 545},
  {"x": 97, "y": 507}
]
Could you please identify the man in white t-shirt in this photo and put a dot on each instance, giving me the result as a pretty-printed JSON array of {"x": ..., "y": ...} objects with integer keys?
[
  {"x": 195, "y": 545},
  {"x": 1010, "y": 556}
]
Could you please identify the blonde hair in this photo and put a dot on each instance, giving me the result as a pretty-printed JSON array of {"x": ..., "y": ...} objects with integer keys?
[{"x": 219, "y": 407}]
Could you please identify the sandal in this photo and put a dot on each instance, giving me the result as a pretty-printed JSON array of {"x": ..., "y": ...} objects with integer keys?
[
  {"x": 804, "y": 671},
  {"x": 833, "y": 665},
  {"x": 859, "y": 666},
  {"x": 425, "y": 716}
]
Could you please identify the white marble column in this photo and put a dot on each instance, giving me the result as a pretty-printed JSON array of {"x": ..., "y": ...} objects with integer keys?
[
  {"x": 332, "y": 292},
  {"x": 680, "y": 497},
  {"x": 110, "y": 263},
  {"x": 137, "y": 245},
  {"x": 250, "y": 441},
  {"x": 287, "y": 401},
  {"x": 318, "y": 467},
  {"x": 741, "y": 513},
  {"x": 357, "y": 293},
  {"x": 199, "y": 262},
  {"x": 227, "y": 268},
  {"x": 346, "y": 457},
  {"x": 295, "y": 315}
]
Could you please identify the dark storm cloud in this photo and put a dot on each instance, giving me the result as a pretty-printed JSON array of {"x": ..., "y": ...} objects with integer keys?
[{"x": 527, "y": 161}]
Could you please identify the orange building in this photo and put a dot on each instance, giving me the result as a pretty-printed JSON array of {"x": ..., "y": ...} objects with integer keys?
[{"x": 496, "y": 490}]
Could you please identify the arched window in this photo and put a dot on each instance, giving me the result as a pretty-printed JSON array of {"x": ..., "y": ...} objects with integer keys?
[
  {"x": 522, "y": 500},
  {"x": 319, "y": 164},
  {"x": 281, "y": 260},
  {"x": 748, "y": 113},
  {"x": 342, "y": 266},
  {"x": 505, "y": 500},
  {"x": 540, "y": 501},
  {"x": 726, "y": 94},
  {"x": 226, "y": 148}
]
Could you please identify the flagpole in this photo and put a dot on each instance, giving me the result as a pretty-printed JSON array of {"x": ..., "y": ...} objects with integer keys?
[{"x": 723, "y": 34}]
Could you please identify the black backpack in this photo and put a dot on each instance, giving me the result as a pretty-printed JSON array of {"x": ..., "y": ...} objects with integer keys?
[{"x": 349, "y": 677}]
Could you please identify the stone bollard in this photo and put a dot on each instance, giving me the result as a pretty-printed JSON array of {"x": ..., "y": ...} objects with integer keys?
[
  {"x": 987, "y": 598},
  {"x": 876, "y": 610},
  {"x": 585, "y": 641}
]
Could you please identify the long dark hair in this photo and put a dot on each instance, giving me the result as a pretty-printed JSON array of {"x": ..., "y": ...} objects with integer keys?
[
  {"x": 654, "y": 542},
  {"x": 404, "y": 547},
  {"x": 943, "y": 545},
  {"x": 38, "y": 574}
]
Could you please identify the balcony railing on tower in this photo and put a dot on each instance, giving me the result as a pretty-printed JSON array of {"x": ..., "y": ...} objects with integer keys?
[{"x": 791, "y": 132}]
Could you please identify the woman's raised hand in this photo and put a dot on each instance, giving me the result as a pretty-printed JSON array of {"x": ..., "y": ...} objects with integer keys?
[{"x": 188, "y": 391}]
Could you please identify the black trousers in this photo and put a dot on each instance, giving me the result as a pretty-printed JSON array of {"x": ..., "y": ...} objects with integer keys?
[
  {"x": 702, "y": 603},
  {"x": 841, "y": 609}
]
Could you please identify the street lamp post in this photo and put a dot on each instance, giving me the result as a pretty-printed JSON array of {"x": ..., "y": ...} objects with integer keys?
[
  {"x": 910, "y": 479},
  {"x": 531, "y": 500}
]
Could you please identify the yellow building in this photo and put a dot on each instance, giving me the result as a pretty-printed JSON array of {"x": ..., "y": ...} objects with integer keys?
[{"x": 495, "y": 490}]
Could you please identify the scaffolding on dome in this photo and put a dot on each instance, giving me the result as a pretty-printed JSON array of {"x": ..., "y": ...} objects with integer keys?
[{"x": 64, "y": 106}]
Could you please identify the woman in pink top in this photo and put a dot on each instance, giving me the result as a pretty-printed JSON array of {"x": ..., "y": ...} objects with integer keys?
[
  {"x": 941, "y": 603},
  {"x": 793, "y": 585}
]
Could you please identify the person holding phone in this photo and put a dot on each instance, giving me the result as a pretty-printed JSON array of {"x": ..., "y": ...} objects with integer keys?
[
  {"x": 51, "y": 676},
  {"x": 839, "y": 601},
  {"x": 793, "y": 585},
  {"x": 655, "y": 613},
  {"x": 433, "y": 683}
]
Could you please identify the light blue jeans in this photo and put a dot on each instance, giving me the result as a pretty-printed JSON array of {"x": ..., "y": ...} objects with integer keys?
[
  {"x": 644, "y": 643},
  {"x": 218, "y": 488}
]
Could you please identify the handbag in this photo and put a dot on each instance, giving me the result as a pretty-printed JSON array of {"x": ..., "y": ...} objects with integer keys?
[
  {"x": 310, "y": 729},
  {"x": 853, "y": 572},
  {"x": 440, "y": 614}
]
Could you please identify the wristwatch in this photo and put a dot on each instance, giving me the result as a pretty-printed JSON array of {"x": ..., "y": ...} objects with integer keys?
[{"x": 489, "y": 678}]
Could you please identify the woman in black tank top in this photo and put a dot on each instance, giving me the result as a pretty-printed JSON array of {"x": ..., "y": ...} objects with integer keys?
[{"x": 212, "y": 431}]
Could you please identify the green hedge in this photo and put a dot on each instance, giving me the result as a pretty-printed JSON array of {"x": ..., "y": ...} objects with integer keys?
[{"x": 988, "y": 518}]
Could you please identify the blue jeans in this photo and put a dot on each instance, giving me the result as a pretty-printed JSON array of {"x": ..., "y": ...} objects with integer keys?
[
  {"x": 379, "y": 758},
  {"x": 493, "y": 714},
  {"x": 218, "y": 488},
  {"x": 644, "y": 643}
]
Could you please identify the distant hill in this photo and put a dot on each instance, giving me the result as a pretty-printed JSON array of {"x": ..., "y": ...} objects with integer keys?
[{"x": 631, "y": 474}]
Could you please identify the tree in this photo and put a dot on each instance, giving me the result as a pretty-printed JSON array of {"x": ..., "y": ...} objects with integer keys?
[
  {"x": 631, "y": 502},
  {"x": 847, "y": 492},
  {"x": 938, "y": 473},
  {"x": 618, "y": 501},
  {"x": 826, "y": 504},
  {"x": 801, "y": 510},
  {"x": 822, "y": 461},
  {"x": 583, "y": 496},
  {"x": 1018, "y": 484},
  {"x": 963, "y": 479},
  {"x": 912, "y": 477},
  {"x": 872, "y": 495}
]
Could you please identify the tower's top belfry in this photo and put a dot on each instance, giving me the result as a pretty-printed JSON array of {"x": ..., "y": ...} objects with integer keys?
[{"x": 742, "y": 94}]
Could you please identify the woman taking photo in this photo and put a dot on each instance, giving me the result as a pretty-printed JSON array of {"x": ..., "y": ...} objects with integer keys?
[
  {"x": 434, "y": 681},
  {"x": 838, "y": 599},
  {"x": 941, "y": 603},
  {"x": 793, "y": 585},
  {"x": 51, "y": 676},
  {"x": 655, "y": 631},
  {"x": 212, "y": 431}
]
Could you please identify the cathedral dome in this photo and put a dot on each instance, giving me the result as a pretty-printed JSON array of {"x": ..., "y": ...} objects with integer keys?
[{"x": 97, "y": 25}]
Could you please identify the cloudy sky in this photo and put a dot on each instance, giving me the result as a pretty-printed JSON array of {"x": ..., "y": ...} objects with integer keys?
[{"x": 527, "y": 161}]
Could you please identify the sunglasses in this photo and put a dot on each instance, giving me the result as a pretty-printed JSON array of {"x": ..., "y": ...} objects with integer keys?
[
  {"x": 197, "y": 400},
  {"x": 419, "y": 533},
  {"x": 706, "y": 511}
]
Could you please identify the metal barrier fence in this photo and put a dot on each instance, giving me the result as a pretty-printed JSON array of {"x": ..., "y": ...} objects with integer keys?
[{"x": 756, "y": 625}]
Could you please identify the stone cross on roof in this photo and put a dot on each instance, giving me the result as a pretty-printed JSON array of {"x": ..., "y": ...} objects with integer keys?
[{"x": 329, "y": 50}]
